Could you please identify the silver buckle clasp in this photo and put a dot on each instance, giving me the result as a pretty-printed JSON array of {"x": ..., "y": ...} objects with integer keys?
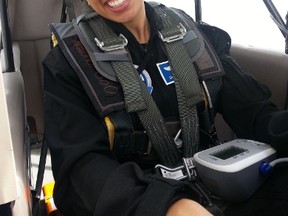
[
  {"x": 122, "y": 39},
  {"x": 180, "y": 33}
]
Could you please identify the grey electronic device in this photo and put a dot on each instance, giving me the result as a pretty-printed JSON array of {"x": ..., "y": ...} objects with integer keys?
[{"x": 231, "y": 170}]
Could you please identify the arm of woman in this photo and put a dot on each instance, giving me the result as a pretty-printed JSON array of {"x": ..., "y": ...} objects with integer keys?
[
  {"x": 187, "y": 207},
  {"x": 244, "y": 101},
  {"x": 246, "y": 107}
]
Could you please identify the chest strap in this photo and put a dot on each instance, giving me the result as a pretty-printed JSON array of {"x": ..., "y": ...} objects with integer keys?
[{"x": 136, "y": 97}]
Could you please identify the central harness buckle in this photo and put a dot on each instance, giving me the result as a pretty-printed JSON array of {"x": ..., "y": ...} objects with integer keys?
[
  {"x": 117, "y": 43},
  {"x": 175, "y": 34},
  {"x": 185, "y": 172}
]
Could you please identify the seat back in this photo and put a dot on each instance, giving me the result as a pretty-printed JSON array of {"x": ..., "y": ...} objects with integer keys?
[
  {"x": 8, "y": 180},
  {"x": 22, "y": 91},
  {"x": 29, "y": 28}
]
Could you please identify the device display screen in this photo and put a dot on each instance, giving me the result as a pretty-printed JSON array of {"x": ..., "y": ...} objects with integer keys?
[{"x": 229, "y": 152}]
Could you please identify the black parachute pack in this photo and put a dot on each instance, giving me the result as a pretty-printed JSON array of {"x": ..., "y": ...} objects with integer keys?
[{"x": 99, "y": 58}]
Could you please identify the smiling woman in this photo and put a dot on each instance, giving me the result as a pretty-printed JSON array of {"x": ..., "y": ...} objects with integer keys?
[{"x": 97, "y": 125}]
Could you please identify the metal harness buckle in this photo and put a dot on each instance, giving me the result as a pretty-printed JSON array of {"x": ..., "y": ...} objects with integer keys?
[
  {"x": 122, "y": 43},
  {"x": 178, "y": 34},
  {"x": 185, "y": 172}
]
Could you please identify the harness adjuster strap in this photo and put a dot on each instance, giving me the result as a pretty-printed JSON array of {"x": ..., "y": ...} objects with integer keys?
[
  {"x": 174, "y": 34},
  {"x": 115, "y": 43}
]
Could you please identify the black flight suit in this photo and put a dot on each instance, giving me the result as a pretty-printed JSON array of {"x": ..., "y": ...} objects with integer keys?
[{"x": 90, "y": 180}]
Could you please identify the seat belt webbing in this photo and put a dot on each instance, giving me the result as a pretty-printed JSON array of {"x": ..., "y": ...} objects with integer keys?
[
  {"x": 137, "y": 99},
  {"x": 185, "y": 77}
]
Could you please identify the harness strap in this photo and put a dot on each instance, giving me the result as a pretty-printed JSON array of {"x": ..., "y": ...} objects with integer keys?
[
  {"x": 137, "y": 98},
  {"x": 184, "y": 70},
  {"x": 110, "y": 59},
  {"x": 185, "y": 77}
]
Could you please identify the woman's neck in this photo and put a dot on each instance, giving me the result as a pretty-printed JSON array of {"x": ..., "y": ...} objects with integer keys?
[{"x": 140, "y": 28}]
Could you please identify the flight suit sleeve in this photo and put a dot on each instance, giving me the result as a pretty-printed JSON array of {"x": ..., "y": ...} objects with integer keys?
[
  {"x": 89, "y": 179},
  {"x": 246, "y": 107},
  {"x": 245, "y": 102}
]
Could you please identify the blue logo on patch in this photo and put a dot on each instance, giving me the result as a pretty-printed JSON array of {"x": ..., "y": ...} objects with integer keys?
[
  {"x": 166, "y": 72},
  {"x": 145, "y": 77},
  {"x": 147, "y": 80}
]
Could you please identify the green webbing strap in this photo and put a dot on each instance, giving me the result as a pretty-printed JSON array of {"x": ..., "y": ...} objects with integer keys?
[
  {"x": 185, "y": 77},
  {"x": 157, "y": 132},
  {"x": 179, "y": 58},
  {"x": 137, "y": 98}
]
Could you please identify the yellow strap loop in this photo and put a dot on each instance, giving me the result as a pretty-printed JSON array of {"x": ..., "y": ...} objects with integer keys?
[{"x": 111, "y": 131}]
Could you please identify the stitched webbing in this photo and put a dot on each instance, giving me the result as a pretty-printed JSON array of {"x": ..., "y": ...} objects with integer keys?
[
  {"x": 186, "y": 82},
  {"x": 150, "y": 117},
  {"x": 137, "y": 99},
  {"x": 186, "y": 103},
  {"x": 179, "y": 58}
]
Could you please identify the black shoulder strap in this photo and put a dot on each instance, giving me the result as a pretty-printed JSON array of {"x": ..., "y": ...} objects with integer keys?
[{"x": 205, "y": 60}]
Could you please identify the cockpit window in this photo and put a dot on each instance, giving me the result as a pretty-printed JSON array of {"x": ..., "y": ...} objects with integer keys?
[{"x": 248, "y": 22}]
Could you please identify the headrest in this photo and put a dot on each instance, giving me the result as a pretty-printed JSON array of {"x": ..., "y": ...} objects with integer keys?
[{"x": 29, "y": 19}]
